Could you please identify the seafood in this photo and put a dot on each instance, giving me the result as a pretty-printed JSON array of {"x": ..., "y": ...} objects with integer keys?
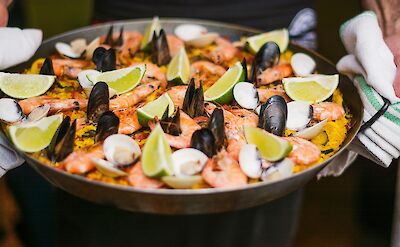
[
  {"x": 80, "y": 161},
  {"x": 137, "y": 179},
  {"x": 10, "y": 110},
  {"x": 265, "y": 93},
  {"x": 267, "y": 57},
  {"x": 273, "y": 115},
  {"x": 129, "y": 122},
  {"x": 160, "y": 50},
  {"x": 223, "y": 53},
  {"x": 193, "y": 102},
  {"x": 275, "y": 73},
  {"x": 304, "y": 152},
  {"x": 62, "y": 143},
  {"x": 174, "y": 44},
  {"x": 56, "y": 105},
  {"x": 177, "y": 95},
  {"x": 327, "y": 110},
  {"x": 130, "y": 45},
  {"x": 69, "y": 67},
  {"x": 206, "y": 72}
]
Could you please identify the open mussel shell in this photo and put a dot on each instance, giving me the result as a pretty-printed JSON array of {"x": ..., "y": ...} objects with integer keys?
[
  {"x": 267, "y": 57},
  {"x": 160, "y": 49},
  {"x": 171, "y": 125},
  {"x": 10, "y": 111},
  {"x": 62, "y": 143},
  {"x": 98, "y": 101},
  {"x": 273, "y": 115},
  {"x": 107, "y": 125},
  {"x": 186, "y": 182},
  {"x": 109, "y": 40},
  {"x": 278, "y": 170},
  {"x": 47, "y": 67},
  {"x": 250, "y": 161},
  {"x": 246, "y": 95},
  {"x": 311, "y": 132},
  {"x": 108, "y": 168},
  {"x": 38, "y": 113},
  {"x": 299, "y": 115},
  {"x": 188, "y": 161},
  {"x": 204, "y": 140},
  {"x": 193, "y": 102},
  {"x": 217, "y": 126},
  {"x": 105, "y": 59},
  {"x": 121, "y": 150},
  {"x": 302, "y": 64}
]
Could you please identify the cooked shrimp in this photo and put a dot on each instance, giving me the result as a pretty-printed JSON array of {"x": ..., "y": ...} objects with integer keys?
[
  {"x": 304, "y": 152},
  {"x": 223, "y": 53},
  {"x": 327, "y": 110},
  {"x": 174, "y": 44},
  {"x": 177, "y": 95},
  {"x": 136, "y": 178},
  {"x": 265, "y": 93},
  {"x": 56, "y": 105},
  {"x": 223, "y": 171},
  {"x": 135, "y": 96},
  {"x": 130, "y": 46},
  {"x": 69, "y": 67},
  {"x": 206, "y": 72},
  {"x": 188, "y": 126},
  {"x": 80, "y": 162},
  {"x": 128, "y": 120},
  {"x": 275, "y": 73},
  {"x": 153, "y": 73}
]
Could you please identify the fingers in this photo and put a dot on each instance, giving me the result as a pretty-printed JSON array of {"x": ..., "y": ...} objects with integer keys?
[
  {"x": 396, "y": 82},
  {"x": 3, "y": 14}
]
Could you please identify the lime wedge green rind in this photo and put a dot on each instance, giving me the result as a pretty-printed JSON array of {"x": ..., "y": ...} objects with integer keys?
[
  {"x": 179, "y": 68},
  {"x": 156, "y": 156},
  {"x": 154, "y": 109},
  {"x": 149, "y": 32},
  {"x": 280, "y": 37}
]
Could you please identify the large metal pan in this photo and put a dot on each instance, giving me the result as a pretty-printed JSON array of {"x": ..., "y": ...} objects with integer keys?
[{"x": 164, "y": 201}]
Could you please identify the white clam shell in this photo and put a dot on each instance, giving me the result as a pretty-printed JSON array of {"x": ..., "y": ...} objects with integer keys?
[
  {"x": 121, "y": 149},
  {"x": 188, "y": 32},
  {"x": 299, "y": 115},
  {"x": 10, "y": 110},
  {"x": 38, "y": 113},
  {"x": 313, "y": 131},
  {"x": 186, "y": 182},
  {"x": 107, "y": 168},
  {"x": 66, "y": 50},
  {"x": 280, "y": 170},
  {"x": 78, "y": 45},
  {"x": 302, "y": 64},
  {"x": 83, "y": 77},
  {"x": 250, "y": 161},
  {"x": 203, "y": 40},
  {"x": 91, "y": 47},
  {"x": 246, "y": 95},
  {"x": 188, "y": 161}
]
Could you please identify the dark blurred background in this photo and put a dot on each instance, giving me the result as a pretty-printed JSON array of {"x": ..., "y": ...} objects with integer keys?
[{"x": 352, "y": 210}]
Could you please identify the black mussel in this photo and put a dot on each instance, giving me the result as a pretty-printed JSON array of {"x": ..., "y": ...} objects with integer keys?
[
  {"x": 47, "y": 67},
  {"x": 107, "y": 125},
  {"x": 62, "y": 143},
  {"x": 273, "y": 115},
  {"x": 160, "y": 49},
  {"x": 109, "y": 38},
  {"x": 104, "y": 59},
  {"x": 217, "y": 127},
  {"x": 193, "y": 103},
  {"x": 244, "y": 65},
  {"x": 204, "y": 140},
  {"x": 171, "y": 125},
  {"x": 267, "y": 57},
  {"x": 98, "y": 101},
  {"x": 120, "y": 40}
]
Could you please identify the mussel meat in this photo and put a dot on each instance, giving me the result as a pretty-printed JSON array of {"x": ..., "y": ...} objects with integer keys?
[
  {"x": 171, "y": 125},
  {"x": 217, "y": 127},
  {"x": 160, "y": 49},
  {"x": 47, "y": 67},
  {"x": 105, "y": 59},
  {"x": 299, "y": 115},
  {"x": 10, "y": 111},
  {"x": 98, "y": 101},
  {"x": 193, "y": 103},
  {"x": 107, "y": 125},
  {"x": 267, "y": 57},
  {"x": 273, "y": 115},
  {"x": 62, "y": 143},
  {"x": 204, "y": 140}
]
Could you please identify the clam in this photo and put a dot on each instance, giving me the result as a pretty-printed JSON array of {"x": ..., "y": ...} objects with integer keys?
[
  {"x": 62, "y": 143},
  {"x": 186, "y": 182},
  {"x": 92, "y": 47},
  {"x": 217, "y": 126},
  {"x": 107, "y": 125},
  {"x": 160, "y": 49},
  {"x": 311, "y": 132},
  {"x": 38, "y": 113},
  {"x": 188, "y": 162},
  {"x": 10, "y": 111},
  {"x": 250, "y": 161},
  {"x": 121, "y": 149},
  {"x": 278, "y": 170},
  {"x": 74, "y": 49},
  {"x": 195, "y": 35},
  {"x": 302, "y": 64},
  {"x": 246, "y": 95},
  {"x": 273, "y": 115},
  {"x": 47, "y": 67},
  {"x": 193, "y": 103},
  {"x": 98, "y": 101},
  {"x": 105, "y": 59},
  {"x": 267, "y": 57},
  {"x": 204, "y": 140},
  {"x": 299, "y": 115},
  {"x": 108, "y": 168}
]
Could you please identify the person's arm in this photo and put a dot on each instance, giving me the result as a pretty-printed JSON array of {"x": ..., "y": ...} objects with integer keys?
[
  {"x": 4, "y": 12},
  {"x": 388, "y": 12}
]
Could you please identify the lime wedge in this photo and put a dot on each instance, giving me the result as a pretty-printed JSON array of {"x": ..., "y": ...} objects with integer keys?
[
  {"x": 179, "y": 68},
  {"x": 313, "y": 89},
  {"x": 280, "y": 37},
  {"x": 35, "y": 136},
  {"x": 23, "y": 86},
  {"x": 121, "y": 80},
  {"x": 221, "y": 91},
  {"x": 148, "y": 34},
  {"x": 272, "y": 147},
  {"x": 155, "y": 108},
  {"x": 156, "y": 156}
]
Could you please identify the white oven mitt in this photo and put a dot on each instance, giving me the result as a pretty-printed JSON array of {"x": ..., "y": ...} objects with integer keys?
[
  {"x": 371, "y": 65},
  {"x": 18, "y": 45}
]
